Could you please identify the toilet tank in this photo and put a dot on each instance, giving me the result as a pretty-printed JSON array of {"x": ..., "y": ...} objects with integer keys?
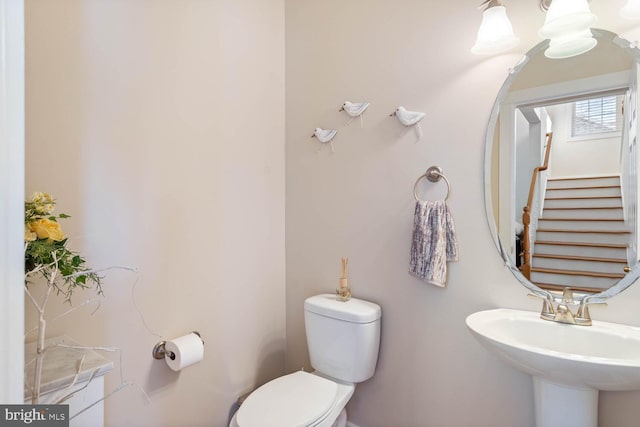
[{"x": 343, "y": 337}]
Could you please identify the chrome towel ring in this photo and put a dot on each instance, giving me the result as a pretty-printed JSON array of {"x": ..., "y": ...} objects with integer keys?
[{"x": 433, "y": 174}]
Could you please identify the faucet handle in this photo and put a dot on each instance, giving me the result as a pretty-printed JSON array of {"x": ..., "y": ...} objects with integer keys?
[
  {"x": 548, "y": 312},
  {"x": 567, "y": 296},
  {"x": 583, "y": 316}
]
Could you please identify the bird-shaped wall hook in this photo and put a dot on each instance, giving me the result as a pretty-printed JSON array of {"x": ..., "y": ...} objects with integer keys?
[
  {"x": 355, "y": 109},
  {"x": 324, "y": 136},
  {"x": 406, "y": 117},
  {"x": 409, "y": 118}
]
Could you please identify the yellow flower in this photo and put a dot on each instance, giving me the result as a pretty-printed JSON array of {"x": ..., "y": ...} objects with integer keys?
[
  {"x": 39, "y": 197},
  {"x": 44, "y": 209},
  {"x": 46, "y": 229},
  {"x": 29, "y": 234},
  {"x": 43, "y": 203}
]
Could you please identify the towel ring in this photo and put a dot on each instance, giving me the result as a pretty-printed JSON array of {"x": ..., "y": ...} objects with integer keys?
[{"x": 433, "y": 174}]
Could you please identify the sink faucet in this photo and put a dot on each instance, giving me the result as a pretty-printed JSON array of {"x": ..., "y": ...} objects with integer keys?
[
  {"x": 562, "y": 313},
  {"x": 548, "y": 311},
  {"x": 583, "y": 317}
]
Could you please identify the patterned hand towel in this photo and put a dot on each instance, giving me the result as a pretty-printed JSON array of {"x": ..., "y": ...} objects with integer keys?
[{"x": 434, "y": 242}]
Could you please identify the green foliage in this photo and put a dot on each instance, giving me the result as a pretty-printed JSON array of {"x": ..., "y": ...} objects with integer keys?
[{"x": 46, "y": 254}]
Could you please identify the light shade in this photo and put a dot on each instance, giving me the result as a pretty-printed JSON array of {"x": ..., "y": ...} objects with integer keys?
[
  {"x": 631, "y": 9},
  {"x": 572, "y": 44},
  {"x": 565, "y": 17},
  {"x": 495, "y": 34}
]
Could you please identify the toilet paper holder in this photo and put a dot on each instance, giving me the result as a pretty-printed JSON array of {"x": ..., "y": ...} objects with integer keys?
[{"x": 159, "y": 352}]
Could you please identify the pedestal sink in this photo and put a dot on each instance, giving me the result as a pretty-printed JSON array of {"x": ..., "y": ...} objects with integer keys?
[{"x": 569, "y": 363}]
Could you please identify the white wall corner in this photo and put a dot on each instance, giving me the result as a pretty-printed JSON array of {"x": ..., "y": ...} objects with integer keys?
[{"x": 12, "y": 201}]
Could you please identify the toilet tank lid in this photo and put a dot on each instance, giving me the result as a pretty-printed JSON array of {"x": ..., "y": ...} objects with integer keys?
[{"x": 355, "y": 310}]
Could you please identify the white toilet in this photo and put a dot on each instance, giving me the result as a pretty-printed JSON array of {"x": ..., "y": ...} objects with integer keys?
[{"x": 343, "y": 340}]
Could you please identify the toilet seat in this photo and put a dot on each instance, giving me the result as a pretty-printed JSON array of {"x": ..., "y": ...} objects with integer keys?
[{"x": 300, "y": 399}]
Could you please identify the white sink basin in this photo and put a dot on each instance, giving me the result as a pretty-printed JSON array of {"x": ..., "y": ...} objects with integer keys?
[
  {"x": 605, "y": 356},
  {"x": 569, "y": 363}
]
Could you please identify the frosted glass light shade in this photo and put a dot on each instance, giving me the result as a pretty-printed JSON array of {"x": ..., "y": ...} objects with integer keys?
[
  {"x": 571, "y": 45},
  {"x": 631, "y": 9},
  {"x": 566, "y": 16},
  {"x": 495, "y": 34}
]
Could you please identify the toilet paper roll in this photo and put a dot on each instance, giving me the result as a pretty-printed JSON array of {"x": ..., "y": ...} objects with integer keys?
[{"x": 187, "y": 350}]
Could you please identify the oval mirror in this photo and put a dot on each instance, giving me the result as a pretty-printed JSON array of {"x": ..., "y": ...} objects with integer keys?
[{"x": 561, "y": 169}]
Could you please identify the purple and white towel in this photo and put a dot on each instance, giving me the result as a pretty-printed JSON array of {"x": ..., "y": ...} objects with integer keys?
[{"x": 434, "y": 242}]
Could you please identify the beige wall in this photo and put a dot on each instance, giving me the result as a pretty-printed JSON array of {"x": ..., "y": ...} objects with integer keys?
[
  {"x": 358, "y": 203},
  {"x": 159, "y": 126}
]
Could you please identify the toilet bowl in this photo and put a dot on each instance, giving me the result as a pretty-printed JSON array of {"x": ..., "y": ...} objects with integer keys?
[
  {"x": 343, "y": 339},
  {"x": 300, "y": 399}
]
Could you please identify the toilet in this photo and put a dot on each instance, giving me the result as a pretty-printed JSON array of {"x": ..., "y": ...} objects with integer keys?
[{"x": 343, "y": 339}]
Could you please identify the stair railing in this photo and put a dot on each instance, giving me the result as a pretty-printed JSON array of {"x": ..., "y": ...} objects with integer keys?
[{"x": 526, "y": 214}]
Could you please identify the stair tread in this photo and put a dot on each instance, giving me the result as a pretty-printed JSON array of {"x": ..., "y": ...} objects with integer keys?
[
  {"x": 583, "y": 177},
  {"x": 560, "y": 230},
  {"x": 583, "y": 198},
  {"x": 583, "y": 188},
  {"x": 591, "y": 245},
  {"x": 582, "y": 258},
  {"x": 582, "y": 219},
  {"x": 577, "y": 273},
  {"x": 584, "y": 208}
]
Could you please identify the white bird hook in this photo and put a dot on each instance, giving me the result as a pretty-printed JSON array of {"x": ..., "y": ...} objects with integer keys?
[
  {"x": 409, "y": 119},
  {"x": 355, "y": 109},
  {"x": 324, "y": 136}
]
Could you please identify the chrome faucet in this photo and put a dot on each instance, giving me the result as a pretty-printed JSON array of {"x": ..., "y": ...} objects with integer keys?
[
  {"x": 562, "y": 313},
  {"x": 548, "y": 311},
  {"x": 583, "y": 317}
]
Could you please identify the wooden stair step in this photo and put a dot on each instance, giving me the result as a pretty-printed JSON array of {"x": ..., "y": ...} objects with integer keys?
[
  {"x": 591, "y": 203},
  {"x": 583, "y": 224},
  {"x": 581, "y": 219},
  {"x": 578, "y": 273},
  {"x": 554, "y": 230},
  {"x": 618, "y": 237},
  {"x": 583, "y": 188},
  {"x": 586, "y": 183},
  {"x": 591, "y": 245},
  {"x": 562, "y": 210},
  {"x": 584, "y": 208},
  {"x": 581, "y": 258},
  {"x": 583, "y": 198},
  {"x": 583, "y": 177}
]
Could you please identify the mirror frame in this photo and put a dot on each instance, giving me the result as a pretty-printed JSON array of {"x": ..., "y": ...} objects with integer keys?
[{"x": 539, "y": 49}]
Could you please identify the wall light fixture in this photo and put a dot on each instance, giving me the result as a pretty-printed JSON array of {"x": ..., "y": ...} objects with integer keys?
[
  {"x": 631, "y": 9},
  {"x": 496, "y": 33},
  {"x": 567, "y": 26}
]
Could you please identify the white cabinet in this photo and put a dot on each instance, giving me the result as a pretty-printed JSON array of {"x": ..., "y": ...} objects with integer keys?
[{"x": 59, "y": 368}]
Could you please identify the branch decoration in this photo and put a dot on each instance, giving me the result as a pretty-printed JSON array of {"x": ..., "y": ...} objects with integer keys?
[{"x": 48, "y": 259}]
